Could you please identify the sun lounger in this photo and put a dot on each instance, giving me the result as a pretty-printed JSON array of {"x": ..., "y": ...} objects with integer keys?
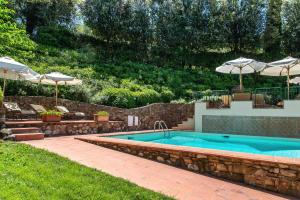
[
  {"x": 38, "y": 108},
  {"x": 17, "y": 112},
  {"x": 70, "y": 115}
]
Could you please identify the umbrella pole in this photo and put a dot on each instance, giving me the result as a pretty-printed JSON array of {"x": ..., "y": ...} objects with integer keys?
[
  {"x": 56, "y": 92},
  {"x": 3, "y": 90},
  {"x": 241, "y": 80},
  {"x": 288, "y": 87}
]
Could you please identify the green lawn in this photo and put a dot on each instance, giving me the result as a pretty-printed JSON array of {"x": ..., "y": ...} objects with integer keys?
[{"x": 30, "y": 173}]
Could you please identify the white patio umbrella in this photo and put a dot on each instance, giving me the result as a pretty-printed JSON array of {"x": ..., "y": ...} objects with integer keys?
[
  {"x": 57, "y": 78},
  {"x": 288, "y": 66},
  {"x": 13, "y": 70},
  {"x": 241, "y": 66},
  {"x": 295, "y": 80}
]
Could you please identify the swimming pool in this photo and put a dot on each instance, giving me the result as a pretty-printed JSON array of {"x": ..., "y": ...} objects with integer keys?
[{"x": 283, "y": 147}]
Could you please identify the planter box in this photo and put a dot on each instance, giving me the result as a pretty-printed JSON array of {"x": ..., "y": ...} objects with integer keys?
[
  {"x": 51, "y": 118},
  {"x": 213, "y": 104},
  {"x": 98, "y": 118}
]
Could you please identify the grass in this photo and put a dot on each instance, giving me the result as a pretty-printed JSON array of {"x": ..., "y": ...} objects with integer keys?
[{"x": 30, "y": 173}]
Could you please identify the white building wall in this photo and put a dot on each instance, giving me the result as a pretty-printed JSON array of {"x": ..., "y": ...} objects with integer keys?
[{"x": 245, "y": 108}]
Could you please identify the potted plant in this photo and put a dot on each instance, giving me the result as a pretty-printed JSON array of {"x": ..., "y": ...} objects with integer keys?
[
  {"x": 212, "y": 101},
  {"x": 51, "y": 116},
  {"x": 101, "y": 116}
]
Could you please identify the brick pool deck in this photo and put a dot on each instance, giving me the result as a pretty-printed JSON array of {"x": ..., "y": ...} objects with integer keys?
[{"x": 179, "y": 183}]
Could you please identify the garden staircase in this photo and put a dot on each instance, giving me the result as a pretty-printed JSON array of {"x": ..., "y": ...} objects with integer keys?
[
  {"x": 188, "y": 125},
  {"x": 23, "y": 131}
]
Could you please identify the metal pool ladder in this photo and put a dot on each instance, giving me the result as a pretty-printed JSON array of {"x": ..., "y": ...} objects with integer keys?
[{"x": 162, "y": 126}]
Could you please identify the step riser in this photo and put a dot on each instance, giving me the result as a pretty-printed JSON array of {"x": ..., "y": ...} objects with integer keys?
[
  {"x": 188, "y": 124},
  {"x": 24, "y": 130},
  {"x": 21, "y": 125},
  {"x": 29, "y": 136}
]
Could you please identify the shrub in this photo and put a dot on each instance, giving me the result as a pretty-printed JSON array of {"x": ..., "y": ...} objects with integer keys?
[
  {"x": 166, "y": 95},
  {"x": 51, "y": 112},
  {"x": 56, "y": 36},
  {"x": 102, "y": 113},
  {"x": 120, "y": 97}
]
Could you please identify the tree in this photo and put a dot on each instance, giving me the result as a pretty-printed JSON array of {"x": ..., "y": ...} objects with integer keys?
[
  {"x": 243, "y": 20},
  {"x": 36, "y": 13},
  {"x": 272, "y": 35},
  {"x": 105, "y": 19},
  {"x": 291, "y": 27},
  {"x": 139, "y": 27},
  {"x": 14, "y": 40}
]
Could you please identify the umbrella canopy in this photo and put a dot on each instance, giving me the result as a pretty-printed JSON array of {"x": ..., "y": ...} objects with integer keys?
[
  {"x": 295, "y": 80},
  {"x": 13, "y": 70},
  {"x": 286, "y": 67},
  {"x": 57, "y": 78},
  {"x": 241, "y": 66}
]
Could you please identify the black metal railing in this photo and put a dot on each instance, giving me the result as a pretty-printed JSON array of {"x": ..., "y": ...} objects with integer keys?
[
  {"x": 268, "y": 97},
  {"x": 214, "y": 98},
  {"x": 294, "y": 93},
  {"x": 271, "y": 97}
]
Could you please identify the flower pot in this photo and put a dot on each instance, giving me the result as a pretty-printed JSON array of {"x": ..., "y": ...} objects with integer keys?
[
  {"x": 99, "y": 118},
  {"x": 51, "y": 118}
]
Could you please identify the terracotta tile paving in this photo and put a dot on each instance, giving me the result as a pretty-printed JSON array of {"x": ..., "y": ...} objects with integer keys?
[{"x": 169, "y": 180}]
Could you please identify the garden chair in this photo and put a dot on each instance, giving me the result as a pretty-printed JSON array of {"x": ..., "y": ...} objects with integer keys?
[
  {"x": 17, "y": 112},
  {"x": 259, "y": 100},
  {"x": 38, "y": 108},
  {"x": 70, "y": 115}
]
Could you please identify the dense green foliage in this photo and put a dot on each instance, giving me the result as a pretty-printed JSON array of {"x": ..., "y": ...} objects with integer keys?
[
  {"x": 132, "y": 53},
  {"x": 30, "y": 173},
  {"x": 37, "y": 13},
  {"x": 272, "y": 36},
  {"x": 14, "y": 41}
]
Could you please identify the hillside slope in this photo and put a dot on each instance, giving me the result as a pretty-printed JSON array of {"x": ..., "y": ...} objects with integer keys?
[{"x": 118, "y": 77}]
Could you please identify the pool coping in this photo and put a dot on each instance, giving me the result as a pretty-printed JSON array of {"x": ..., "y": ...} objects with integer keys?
[{"x": 228, "y": 154}]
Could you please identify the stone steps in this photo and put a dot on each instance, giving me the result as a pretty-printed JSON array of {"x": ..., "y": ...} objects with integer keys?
[
  {"x": 28, "y": 136},
  {"x": 24, "y": 130},
  {"x": 188, "y": 125},
  {"x": 23, "y": 124}
]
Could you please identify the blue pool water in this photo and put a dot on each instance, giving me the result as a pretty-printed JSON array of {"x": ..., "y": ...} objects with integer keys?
[{"x": 284, "y": 147}]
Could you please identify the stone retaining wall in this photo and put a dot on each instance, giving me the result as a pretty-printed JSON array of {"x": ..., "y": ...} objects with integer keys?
[
  {"x": 172, "y": 114},
  {"x": 80, "y": 128},
  {"x": 274, "y": 175}
]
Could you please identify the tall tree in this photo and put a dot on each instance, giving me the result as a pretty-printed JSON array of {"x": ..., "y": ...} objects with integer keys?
[
  {"x": 139, "y": 27},
  {"x": 107, "y": 19},
  {"x": 243, "y": 20},
  {"x": 272, "y": 35},
  {"x": 35, "y": 13},
  {"x": 291, "y": 27},
  {"x": 14, "y": 40}
]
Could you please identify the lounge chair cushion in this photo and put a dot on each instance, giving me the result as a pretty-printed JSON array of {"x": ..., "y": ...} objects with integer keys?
[
  {"x": 38, "y": 108},
  {"x": 28, "y": 112},
  {"x": 79, "y": 114},
  {"x": 62, "y": 109},
  {"x": 12, "y": 107}
]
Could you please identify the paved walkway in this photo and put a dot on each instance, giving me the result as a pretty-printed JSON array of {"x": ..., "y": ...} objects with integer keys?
[{"x": 169, "y": 180}]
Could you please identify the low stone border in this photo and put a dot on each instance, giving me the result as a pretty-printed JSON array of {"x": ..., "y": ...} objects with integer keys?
[
  {"x": 276, "y": 174},
  {"x": 81, "y": 127},
  {"x": 70, "y": 127}
]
